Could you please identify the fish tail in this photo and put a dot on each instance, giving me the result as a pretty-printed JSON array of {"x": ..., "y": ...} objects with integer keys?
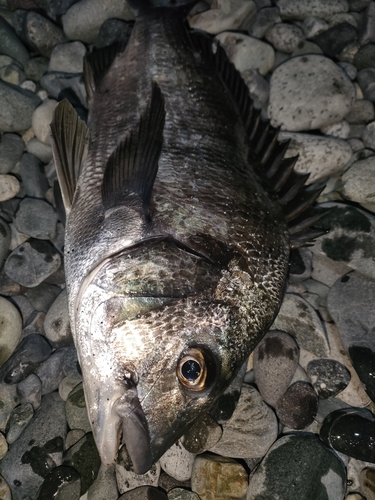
[{"x": 179, "y": 7}]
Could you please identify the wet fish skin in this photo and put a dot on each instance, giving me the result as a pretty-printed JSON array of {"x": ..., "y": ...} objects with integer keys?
[{"x": 202, "y": 265}]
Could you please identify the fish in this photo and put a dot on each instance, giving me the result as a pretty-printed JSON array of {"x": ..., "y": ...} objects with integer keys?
[{"x": 181, "y": 212}]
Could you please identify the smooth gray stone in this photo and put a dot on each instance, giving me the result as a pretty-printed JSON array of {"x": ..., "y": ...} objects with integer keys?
[
  {"x": 8, "y": 400},
  {"x": 365, "y": 57},
  {"x": 366, "y": 80},
  {"x": 37, "y": 31},
  {"x": 298, "y": 407},
  {"x": 264, "y": 19},
  {"x": 34, "y": 323},
  {"x": 19, "y": 419},
  {"x": 327, "y": 406},
  {"x": 29, "y": 390},
  {"x": 54, "y": 82},
  {"x": 182, "y": 494},
  {"x": 76, "y": 411},
  {"x": 23, "y": 304},
  {"x": 32, "y": 262},
  {"x": 10, "y": 43},
  {"x": 38, "y": 450},
  {"x": 298, "y": 467},
  {"x": 40, "y": 150},
  {"x": 362, "y": 111},
  {"x": 43, "y": 296},
  {"x": 57, "y": 324},
  {"x": 50, "y": 371},
  {"x": 11, "y": 149},
  {"x": 36, "y": 67},
  {"x": 105, "y": 485},
  {"x": 5, "y": 237},
  {"x": 33, "y": 176},
  {"x": 17, "y": 106},
  {"x": 71, "y": 366},
  {"x": 36, "y": 218},
  {"x": 32, "y": 350}
]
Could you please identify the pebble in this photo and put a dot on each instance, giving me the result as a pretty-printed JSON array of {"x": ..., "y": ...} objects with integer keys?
[
  {"x": 105, "y": 485},
  {"x": 328, "y": 376},
  {"x": 218, "y": 478},
  {"x": 29, "y": 390},
  {"x": 202, "y": 435},
  {"x": 76, "y": 411},
  {"x": 18, "y": 420},
  {"x": 36, "y": 218},
  {"x": 10, "y": 44},
  {"x": 38, "y": 450},
  {"x": 9, "y": 400},
  {"x": 301, "y": 9},
  {"x": 247, "y": 52},
  {"x": 83, "y": 20},
  {"x": 129, "y": 480},
  {"x": 298, "y": 467},
  {"x": 226, "y": 15},
  {"x": 42, "y": 296},
  {"x": 320, "y": 156},
  {"x": 357, "y": 181},
  {"x": 258, "y": 87},
  {"x": 178, "y": 462},
  {"x": 181, "y": 494},
  {"x": 67, "y": 385},
  {"x": 5, "y": 492},
  {"x": 365, "y": 57},
  {"x": 350, "y": 431},
  {"x": 32, "y": 351},
  {"x": 73, "y": 437},
  {"x": 34, "y": 323},
  {"x": 368, "y": 135},
  {"x": 144, "y": 493},
  {"x": 350, "y": 305},
  {"x": 56, "y": 82},
  {"x": 12, "y": 73},
  {"x": 313, "y": 26},
  {"x": 362, "y": 111},
  {"x": 36, "y": 67},
  {"x": 309, "y": 92},
  {"x": 40, "y": 150},
  {"x": 41, "y": 120},
  {"x": 285, "y": 37},
  {"x": 68, "y": 57},
  {"x": 9, "y": 187},
  {"x": 57, "y": 324},
  {"x": 50, "y": 371},
  {"x": 275, "y": 361},
  {"x": 350, "y": 239},
  {"x": 37, "y": 31},
  {"x": 306, "y": 47},
  {"x": 366, "y": 80},
  {"x": 298, "y": 407},
  {"x": 61, "y": 483},
  {"x": 16, "y": 107},
  {"x": 11, "y": 329},
  {"x": 3, "y": 451},
  {"x": 340, "y": 129},
  {"x": 297, "y": 317},
  {"x": 367, "y": 25},
  {"x": 34, "y": 180},
  {"x": 367, "y": 480},
  {"x": 83, "y": 457},
  {"x": 264, "y": 19},
  {"x": 251, "y": 430},
  {"x": 11, "y": 149},
  {"x": 349, "y": 69},
  {"x": 336, "y": 38}
]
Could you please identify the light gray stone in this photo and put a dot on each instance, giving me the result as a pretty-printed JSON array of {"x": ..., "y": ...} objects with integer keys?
[
  {"x": 10, "y": 44},
  {"x": 358, "y": 185},
  {"x": 258, "y": 87},
  {"x": 362, "y": 111},
  {"x": 11, "y": 149},
  {"x": 313, "y": 26},
  {"x": 9, "y": 187},
  {"x": 301, "y": 9},
  {"x": 16, "y": 107},
  {"x": 285, "y": 37},
  {"x": 349, "y": 69},
  {"x": 57, "y": 325},
  {"x": 264, "y": 19},
  {"x": 368, "y": 135},
  {"x": 68, "y": 57},
  {"x": 339, "y": 129},
  {"x": 11, "y": 329},
  {"x": 41, "y": 120},
  {"x": 224, "y": 15},
  {"x": 178, "y": 462}
]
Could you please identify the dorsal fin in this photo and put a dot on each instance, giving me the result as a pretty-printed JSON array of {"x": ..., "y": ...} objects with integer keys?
[
  {"x": 267, "y": 153},
  {"x": 96, "y": 64},
  {"x": 131, "y": 169},
  {"x": 70, "y": 138}
]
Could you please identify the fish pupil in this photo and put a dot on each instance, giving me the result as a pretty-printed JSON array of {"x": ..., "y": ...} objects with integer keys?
[{"x": 191, "y": 370}]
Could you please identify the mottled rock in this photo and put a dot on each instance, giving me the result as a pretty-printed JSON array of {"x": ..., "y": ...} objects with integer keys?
[
  {"x": 368, "y": 135},
  {"x": 275, "y": 361},
  {"x": 129, "y": 480},
  {"x": 297, "y": 408},
  {"x": 285, "y": 37},
  {"x": 202, "y": 435},
  {"x": 298, "y": 467},
  {"x": 264, "y": 19},
  {"x": 178, "y": 462},
  {"x": 218, "y": 477},
  {"x": 258, "y": 87},
  {"x": 57, "y": 324},
  {"x": 29, "y": 390},
  {"x": 300, "y": 9},
  {"x": 76, "y": 411},
  {"x": 36, "y": 218},
  {"x": 36, "y": 67},
  {"x": 251, "y": 430},
  {"x": 247, "y": 52},
  {"x": 340, "y": 129},
  {"x": 362, "y": 111},
  {"x": 61, "y": 483},
  {"x": 50, "y": 371},
  {"x": 336, "y": 38},
  {"x": 3, "y": 451},
  {"x": 225, "y": 15},
  {"x": 328, "y": 376},
  {"x": 11, "y": 329},
  {"x": 16, "y": 107},
  {"x": 313, "y": 26},
  {"x": 68, "y": 57},
  {"x": 9, "y": 187},
  {"x": 182, "y": 494},
  {"x": 18, "y": 420},
  {"x": 309, "y": 92},
  {"x": 11, "y": 149},
  {"x": 367, "y": 25},
  {"x": 8, "y": 401},
  {"x": 357, "y": 181}
]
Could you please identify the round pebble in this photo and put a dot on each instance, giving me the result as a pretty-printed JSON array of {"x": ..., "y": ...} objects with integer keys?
[
  {"x": 285, "y": 37},
  {"x": 10, "y": 329},
  {"x": 36, "y": 218},
  {"x": 16, "y": 107},
  {"x": 328, "y": 376},
  {"x": 68, "y": 57},
  {"x": 11, "y": 149},
  {"x": 178, "y": 462},
  {"x": 298, "y": 407},
  {"x": 9, "y": 187},
  {"x": 41, "y": 120},
  {"x": 57, "y": 324}
]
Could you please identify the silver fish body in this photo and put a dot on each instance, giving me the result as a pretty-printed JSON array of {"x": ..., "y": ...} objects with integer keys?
[{"x": 175, "y": 255}]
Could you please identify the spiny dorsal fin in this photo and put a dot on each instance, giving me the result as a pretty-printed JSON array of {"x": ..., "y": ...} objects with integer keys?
[
  {"x": 131, "y": 169},
  {"x": 70, "y": 138}
]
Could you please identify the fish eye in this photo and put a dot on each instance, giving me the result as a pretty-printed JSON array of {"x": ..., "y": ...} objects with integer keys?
[{"x": 193, "y": 369}]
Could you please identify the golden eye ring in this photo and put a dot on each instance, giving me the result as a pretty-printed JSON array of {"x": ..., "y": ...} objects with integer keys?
[{"x": 192, "y": 370}]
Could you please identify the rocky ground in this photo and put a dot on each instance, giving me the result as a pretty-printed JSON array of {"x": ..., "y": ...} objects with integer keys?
[{"x": 303, "y": 428}]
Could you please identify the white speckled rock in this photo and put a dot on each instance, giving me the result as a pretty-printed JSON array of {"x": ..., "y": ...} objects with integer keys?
[
  {"x": 340, "y": 129},
  {"x": 41, "y": 120},
  {"x": 247, "y": 52},
  {"x": 300, "y": 9},
  {"x": 285, "y": 37},
  {"x": 11, "y": 328},
  {"x": 358, "y": 181},
  {"x": 320, "y": 156},
  {"x": 83, "y": 20},
  {"x": 309, "y": 92},
  {"x": 9, "y": 187},
  {"x": 227, "y": 15},
  {"x": 178, "y": 462},
  {"x": 68, "y": 57}
]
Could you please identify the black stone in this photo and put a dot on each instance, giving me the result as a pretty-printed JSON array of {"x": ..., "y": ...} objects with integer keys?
[
  {"x": 365, "y": 57},
  {"x": 329, "y": 377},
  {"x": 296, "y": 264},
  {"x": 351, "y": 432},
  {"x": 335, "y": 39},
  {"x": 33, "y": 350},
  {"x": 84, "y": 457},
  {"x": 299, "y": 405},
  {"x": 363, "y": 359},
  {"x": 56, "y": 479}
]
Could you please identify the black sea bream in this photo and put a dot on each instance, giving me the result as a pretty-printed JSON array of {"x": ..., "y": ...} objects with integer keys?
[{"x": 177, "y": 244}]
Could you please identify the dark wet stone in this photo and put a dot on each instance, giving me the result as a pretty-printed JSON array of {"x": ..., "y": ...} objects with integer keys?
[
  {"x": 202, "y": 435},
  {"x": 113, "y": 31},
  {"x": 264, "y": 19},
  {"x": 32, "y": 262},
  {"x": 24, "y": 306},
  {"x": 38, "y": 32},
  {"x": 365, "y": 57},
  {"x": 50, "y": 372},
  {"x": 351, "y": 432},
  {"x": 351, "y": 305},
  {"x": 366, "y": 80},
  {"x": 300, "y": 265},
  {"x": 38, "y": 450},
  {"x": 335, "y": 39},
  {"x": 298, "y": 467},
  {"x": 366, "y": 28},
  {"x": 71, "y": 366},
  {"x": 275, "y": 361},
  {"x": 225, "y": 405},
  {"x": 20, "y": 417},
  {"x": 36, "y": 218},
  {"x": 10, "y": 44},
  {"x": 61, "y": 480},
  {"x": 36, "y": 67},
  {"x": 327, "y": 406},
  {"x": 17, "y": 106},
  {"x": 144, "y": 493},
  {"x": 29, "y": 390},
  {"x": 33, "y": 350},
  {"x": 42, "y": 296},
  {"x": 84, "y": 457},
  {"x": 76, "y": 411},
  {"x": 9, "y": 287},
  {"x": 182, "y": 494},
  {"x": 298, "y": 407},
  {"x": 11, "y": 149},
  {"x": 328, "y": 376},
  {"x": 33, "y": 176},
  {"x": 34, "y": 323}
]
